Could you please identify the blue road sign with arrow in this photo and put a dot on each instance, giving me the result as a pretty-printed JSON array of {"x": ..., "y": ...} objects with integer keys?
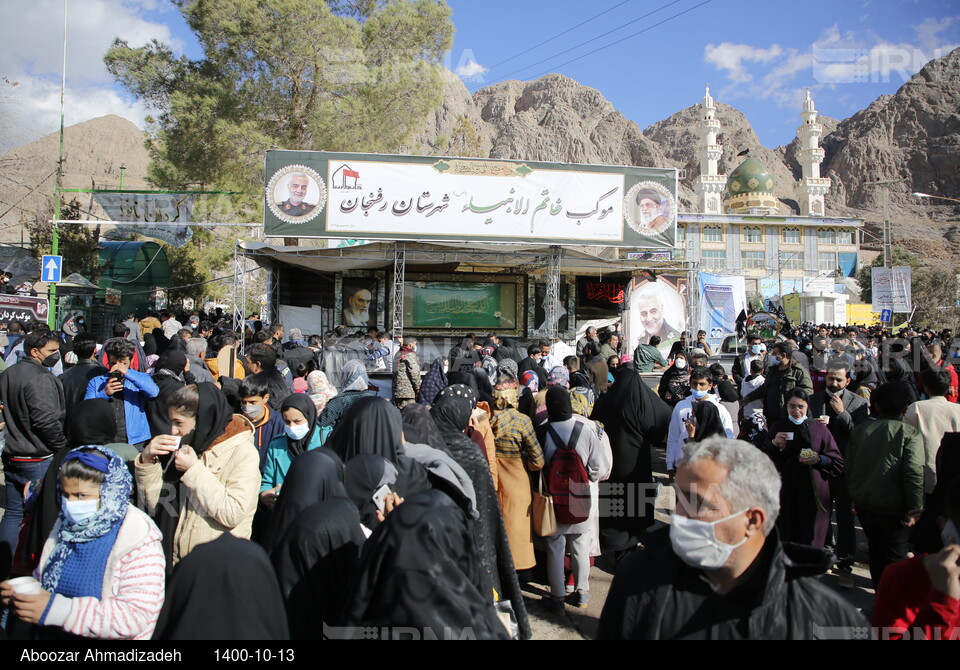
[
  {"x": 51, "y": 268},
  {"x": 886, "y": 315}
]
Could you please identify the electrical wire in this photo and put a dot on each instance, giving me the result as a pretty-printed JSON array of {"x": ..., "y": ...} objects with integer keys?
[
  {"x": 584, "y": 43},
  {"x": 536, "y": 46},
  {"x": 639, "y": 32}
]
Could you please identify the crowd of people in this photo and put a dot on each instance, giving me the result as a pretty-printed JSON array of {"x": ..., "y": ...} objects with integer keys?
[{"x": 194, "y": 482}]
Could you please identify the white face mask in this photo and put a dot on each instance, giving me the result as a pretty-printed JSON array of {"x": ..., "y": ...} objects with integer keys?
[
  {"x": 79, "y": 511},
  {"x": 796, "y": 422},
  {"x": 696, "y": 544},
  {"x": 297, "y": 432},
  {"x": 680, "y": 363}
]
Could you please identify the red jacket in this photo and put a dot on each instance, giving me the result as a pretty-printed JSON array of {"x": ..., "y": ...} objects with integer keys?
[
  {"x": 951, "y": 393},
  {"x": 907, "y": 604}
]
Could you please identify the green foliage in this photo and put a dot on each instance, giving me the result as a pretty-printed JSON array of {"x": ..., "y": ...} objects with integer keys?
[
  {"x": 349, "y": 75},
  {"x": 466, "y": 142},
  {"x": 934, "y": 289},
  {"x": 200, "y": 259},
  {"x": 78, "y": 244}
]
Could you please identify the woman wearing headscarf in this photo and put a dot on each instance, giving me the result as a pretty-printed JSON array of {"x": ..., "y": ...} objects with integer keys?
[
  {"x": 479, "y": 430},
  {"x": 206, "y": 473},
  {"x": 433, "y": 382},
  {"x": 224, "y": 590},
  {"x": 706, "y": 422},
  {"x": 314, "y": 477},
  {"x": 452, "y": 411},
  {"x": 419, "y": 426},
  {"x": 374, "y": 426},
  {"x": 356, "y": 385},
  {"x": 421, "y": 570},
  {"x": 518, "y": 453},
  {"x": 170, "y": 375},
  {"x": 101, "y": 572},
  {"x": 93, "y": 423},
  {"x": 675, "y": 381},
  {"x": 315, "y": 561},
  {"x": 807, "y": 457},
  {"x": 488, "y": 363},
  {"x": 363, "y": 476},
  {"x": 636, "y": 419},
  {"x": 320, "y": 389},
  {"x": 569, "y": 431},
  {"x": 300, "y": 435}
]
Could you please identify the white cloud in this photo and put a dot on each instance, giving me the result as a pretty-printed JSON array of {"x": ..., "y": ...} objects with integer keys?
[
  {"x": 32, "y": 109},
  {"x": 837, "y": 57},
  {"x": 471, "y": 69},
  {"x": 733, "y": 57},
  {"x": 31, "y": 52}
]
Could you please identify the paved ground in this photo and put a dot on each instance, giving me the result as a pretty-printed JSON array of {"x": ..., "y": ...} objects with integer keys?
[{"x": 581, "y": 624}]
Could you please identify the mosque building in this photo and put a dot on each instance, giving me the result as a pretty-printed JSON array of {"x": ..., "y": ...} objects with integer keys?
[{"x": 804, "y": 258}]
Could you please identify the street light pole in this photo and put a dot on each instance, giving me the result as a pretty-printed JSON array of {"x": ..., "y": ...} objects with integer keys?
[{"x": 885, "y": 183}]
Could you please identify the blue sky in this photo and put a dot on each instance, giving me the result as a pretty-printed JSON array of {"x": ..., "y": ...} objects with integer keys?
[{"x": 848, "y": 51}]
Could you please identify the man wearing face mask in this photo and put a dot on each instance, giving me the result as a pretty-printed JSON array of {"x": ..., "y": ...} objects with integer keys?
[
  {"x": 756, "y": 350},
  {"x": 255, "y": 405},
  {"x": 923, "y": 593},
  {"x": 33, "y": 411},
  {"x": 720, "y": 571},
  {"x": 841, "y": 411},
  {"x": 701, "y": 385},
  {"x": 783, "y": 375}
]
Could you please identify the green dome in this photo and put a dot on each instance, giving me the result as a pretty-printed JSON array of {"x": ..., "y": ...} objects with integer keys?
[{"x": 749, "y": 177}]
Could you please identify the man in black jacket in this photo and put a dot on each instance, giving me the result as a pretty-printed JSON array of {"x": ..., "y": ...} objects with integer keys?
[
  {"x": 841, "y": 411},
  {"x": 33, "y": 413},
  {"x": 75, "y": 380},
  {"x": 720, "y": 571}
]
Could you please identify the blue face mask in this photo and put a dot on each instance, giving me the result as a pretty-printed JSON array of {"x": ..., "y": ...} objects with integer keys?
[
  {"x": 297, "y": 432},
  {"x": 79, "y": 511},
  {"x": 755, "y": 349},
  {"x": 796, "y": 421},
  {"x": 698, "y": 394}
]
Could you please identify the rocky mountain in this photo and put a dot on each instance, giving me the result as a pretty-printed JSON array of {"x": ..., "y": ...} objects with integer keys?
[
  {"x": 912, "y": 135},
  {"x": 93, "y": 152}
]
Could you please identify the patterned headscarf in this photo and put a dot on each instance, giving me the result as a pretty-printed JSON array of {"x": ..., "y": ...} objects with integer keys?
[
  {"x": 508, "y": 366},
  {"x": 559, "y": 376},
  {"x": 530, "y": 380},
  {"x": 506, "y": 392},
  {"x": 354, "y": 376},
  {"x": 114, "y": 500}
]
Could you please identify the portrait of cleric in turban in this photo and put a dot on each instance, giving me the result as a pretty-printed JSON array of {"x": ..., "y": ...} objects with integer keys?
[{"x": 648, "y": 206}]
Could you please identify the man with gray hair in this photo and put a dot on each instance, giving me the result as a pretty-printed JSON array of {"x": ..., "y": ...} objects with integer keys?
[
  {"x": 720, "y": 571},
  {"x": 196, "y": 350}
]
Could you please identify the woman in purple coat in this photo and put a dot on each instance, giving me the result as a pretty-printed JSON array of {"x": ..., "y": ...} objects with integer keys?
[{"x": 808, "y": 458}]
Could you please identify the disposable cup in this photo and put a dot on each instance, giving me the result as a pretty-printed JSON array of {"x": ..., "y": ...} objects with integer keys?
[
  {"x": 24, "y": 585},
  {"x": 825, "y": 418},
  {"x": 789, "y": 436}
]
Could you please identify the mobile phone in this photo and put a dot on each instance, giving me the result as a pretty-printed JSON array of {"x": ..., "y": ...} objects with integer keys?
[
  {"x": 380, "y": 497},
  {"x": 116, "y": 374}
]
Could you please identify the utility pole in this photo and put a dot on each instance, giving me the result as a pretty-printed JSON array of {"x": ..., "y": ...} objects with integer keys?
[
  {"x": 58, "y": 186},
  {"x": 885, "y": 184}
]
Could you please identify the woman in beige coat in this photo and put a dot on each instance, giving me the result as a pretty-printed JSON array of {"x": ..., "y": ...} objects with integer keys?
[{"x": 203, "y": 480}]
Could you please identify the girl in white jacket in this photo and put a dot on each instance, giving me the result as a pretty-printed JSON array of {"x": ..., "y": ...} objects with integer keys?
[{"x": 101, "y": 572}]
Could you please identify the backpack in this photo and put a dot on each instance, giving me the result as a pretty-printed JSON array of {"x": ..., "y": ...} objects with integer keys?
[{"x": 567, "y": 480}]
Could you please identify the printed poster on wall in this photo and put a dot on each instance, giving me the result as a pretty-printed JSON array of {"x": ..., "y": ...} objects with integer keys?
[
  {"x": 722, "y": 299},
  {"x": 428, "y": 198}
]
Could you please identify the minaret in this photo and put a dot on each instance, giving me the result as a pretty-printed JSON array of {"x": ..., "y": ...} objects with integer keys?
[
  {"x": 709, "y": 185},
  {"x": 811, "y": 188}
]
